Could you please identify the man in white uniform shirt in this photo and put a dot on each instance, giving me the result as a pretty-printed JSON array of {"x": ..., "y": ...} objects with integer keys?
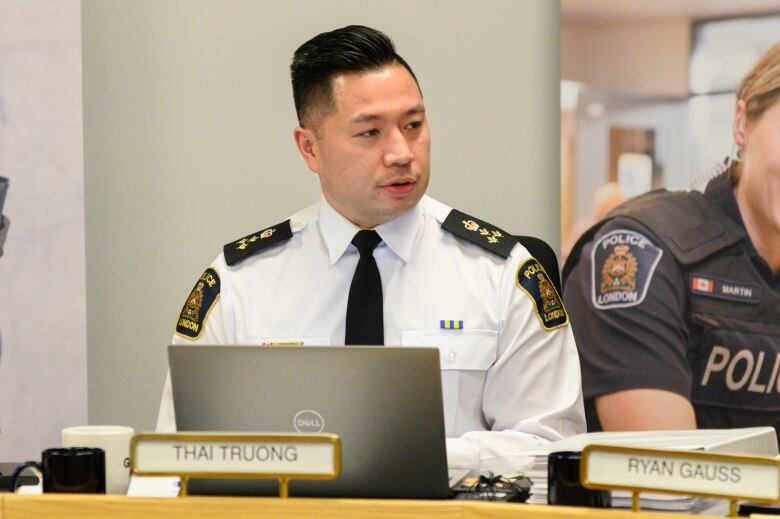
[{"x": 510, "y": 371}]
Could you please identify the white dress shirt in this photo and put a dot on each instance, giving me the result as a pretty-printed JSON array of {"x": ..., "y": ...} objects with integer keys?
[{"x": 508, "y": 384}]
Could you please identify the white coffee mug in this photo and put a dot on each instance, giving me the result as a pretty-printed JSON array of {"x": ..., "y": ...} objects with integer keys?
[{"x": 115, "y": 440}]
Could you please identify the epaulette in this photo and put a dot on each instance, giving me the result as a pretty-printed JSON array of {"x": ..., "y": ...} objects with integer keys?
[
  {"x": 248, "y": 245},
  {"x": 480, "y": 233}
]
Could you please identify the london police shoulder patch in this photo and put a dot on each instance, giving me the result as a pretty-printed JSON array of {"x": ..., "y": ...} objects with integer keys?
[
  {"x": 199, "y": 303},
  {"x": 622, "y": 266},
  {"x": 535, "y": 282}
]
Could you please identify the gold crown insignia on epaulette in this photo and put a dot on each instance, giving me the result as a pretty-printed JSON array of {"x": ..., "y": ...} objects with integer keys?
[
  {"x": 478, "y": 232},
  {"x": 243, "y": 243},
  {"x": 493, "y": 236},
  {"x": 248, "y": 245}
]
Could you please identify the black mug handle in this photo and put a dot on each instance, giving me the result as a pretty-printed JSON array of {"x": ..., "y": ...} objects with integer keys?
[{"x": 34, "y": 465}]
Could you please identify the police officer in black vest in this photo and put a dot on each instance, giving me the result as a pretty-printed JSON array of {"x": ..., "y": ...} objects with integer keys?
[{"x": 675, "y": 297}]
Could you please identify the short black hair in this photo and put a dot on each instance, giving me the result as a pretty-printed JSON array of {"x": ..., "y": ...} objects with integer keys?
[{"x": 354, "y": 48}]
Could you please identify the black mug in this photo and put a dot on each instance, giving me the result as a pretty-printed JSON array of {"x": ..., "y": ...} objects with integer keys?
[
  {"x": 80, "y": 470},
  {"x": 563, "y": 483}
]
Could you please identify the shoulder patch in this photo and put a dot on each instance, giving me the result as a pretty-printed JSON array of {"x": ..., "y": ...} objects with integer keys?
[
  {"x": 534, "y": 281},
  {"x": 480, "y": 233},
  {"x": 622, "y": 266},
  {"x": 253, "y": 243},
  {"x": 199, "y": 303}
]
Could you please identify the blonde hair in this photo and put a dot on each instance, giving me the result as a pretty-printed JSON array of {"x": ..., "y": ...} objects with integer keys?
[{"x": 759, "y": 89}]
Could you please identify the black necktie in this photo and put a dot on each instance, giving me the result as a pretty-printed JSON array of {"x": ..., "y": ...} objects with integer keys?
[{"x": 364, "y": 308}]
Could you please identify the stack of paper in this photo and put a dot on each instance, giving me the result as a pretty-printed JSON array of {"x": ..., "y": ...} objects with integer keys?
[
  {"x": 759, "y": 441},
  {"x": 537, "y": 473}
]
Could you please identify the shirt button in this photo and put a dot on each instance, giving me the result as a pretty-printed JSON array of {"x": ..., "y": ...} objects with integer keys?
[{"x": 451, "y": 356}]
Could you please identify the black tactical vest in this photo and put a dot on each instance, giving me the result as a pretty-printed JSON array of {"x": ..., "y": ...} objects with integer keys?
[{"x": 733, "y": 314}]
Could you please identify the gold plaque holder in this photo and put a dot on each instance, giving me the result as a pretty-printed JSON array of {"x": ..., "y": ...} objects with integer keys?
[
  {"x": 284, "y": 479},
  {"x": 703, "y": 456}
]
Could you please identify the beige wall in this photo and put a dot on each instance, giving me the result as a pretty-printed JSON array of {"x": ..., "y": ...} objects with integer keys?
[
  {"x": 188, "y": 123},
  {"x": 647, "y": 58},
  {"x": 43, "y": 367}
]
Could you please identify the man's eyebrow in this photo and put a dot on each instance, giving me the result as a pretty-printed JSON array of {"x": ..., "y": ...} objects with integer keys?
[
  {"x": 415, "y": 110},
  {"x": 368, "y": 117},
  {"x": 364, "y": 118}
]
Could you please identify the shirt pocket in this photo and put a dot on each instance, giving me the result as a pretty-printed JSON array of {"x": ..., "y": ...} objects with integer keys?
[
  {"x": 464, "y": 357},
  {"x": 285, "y": 341},
  {"x": 463, "y": 350}
]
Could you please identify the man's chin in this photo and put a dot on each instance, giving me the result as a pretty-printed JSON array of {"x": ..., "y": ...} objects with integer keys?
[{"x": 387, "y": 212}]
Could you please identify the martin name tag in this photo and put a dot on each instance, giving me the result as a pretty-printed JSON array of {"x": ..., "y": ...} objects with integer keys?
[
  {"x": 681, "y": 472},
  {"x": 297, "y": 456}
]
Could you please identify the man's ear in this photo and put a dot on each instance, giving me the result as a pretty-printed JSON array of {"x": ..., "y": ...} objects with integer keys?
[{"x": 307, "y": 144}]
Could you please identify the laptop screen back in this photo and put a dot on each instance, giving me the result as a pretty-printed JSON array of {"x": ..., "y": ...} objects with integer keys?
[{"x": 384, "y": 403}]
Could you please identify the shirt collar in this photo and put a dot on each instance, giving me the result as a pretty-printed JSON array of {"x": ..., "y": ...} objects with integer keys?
[
  {"x": 398, "y": 234},
  {"x": 401, "y": 233}
]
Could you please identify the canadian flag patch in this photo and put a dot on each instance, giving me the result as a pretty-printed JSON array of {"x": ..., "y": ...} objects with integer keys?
[{"x": 699, "y": 284}]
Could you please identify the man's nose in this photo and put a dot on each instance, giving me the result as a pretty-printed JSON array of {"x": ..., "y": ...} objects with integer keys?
[{"x": 398, "y": 151}]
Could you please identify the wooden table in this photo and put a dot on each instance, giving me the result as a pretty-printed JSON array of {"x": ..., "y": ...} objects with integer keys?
[{"x": 72, "y": 506}]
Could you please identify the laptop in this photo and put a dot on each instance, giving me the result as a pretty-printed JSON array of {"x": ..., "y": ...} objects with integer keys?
[{"x": 385, "y": 403}]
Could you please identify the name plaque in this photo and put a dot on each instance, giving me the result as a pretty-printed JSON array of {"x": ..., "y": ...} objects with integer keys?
[
  {"x": 236, "y": 455},
  {"x": 707, "y": 474}
]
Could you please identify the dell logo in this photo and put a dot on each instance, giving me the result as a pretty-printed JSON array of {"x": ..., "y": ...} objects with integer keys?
[{"x": 307, "y": 421}]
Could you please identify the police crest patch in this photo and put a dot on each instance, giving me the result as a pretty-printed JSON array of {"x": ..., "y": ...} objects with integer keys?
[
  {"x": 199, "y": 303},
  {"x": 535, "y": 282},
  {"x": 619, "y": 270},
  {"x": 623, "y": 263}
]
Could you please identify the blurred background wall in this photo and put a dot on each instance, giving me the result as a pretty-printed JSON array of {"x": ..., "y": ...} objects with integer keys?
[
  {"x": 43, "y": 365},
  {"x": 647, "y": 95}
]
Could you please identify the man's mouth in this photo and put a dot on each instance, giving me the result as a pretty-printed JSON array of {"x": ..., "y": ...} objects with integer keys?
[{"x": 400, "y": 187}]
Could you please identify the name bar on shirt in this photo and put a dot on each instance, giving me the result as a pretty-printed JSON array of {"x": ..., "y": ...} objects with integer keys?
[
  {"x": 236, "y": 456},
  {"x": 706, "y": 474}
]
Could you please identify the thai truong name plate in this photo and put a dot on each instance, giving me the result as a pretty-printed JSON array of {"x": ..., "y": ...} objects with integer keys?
[
  {"x": 242, "y": 455},
  {"x": 682, "y": 472}
]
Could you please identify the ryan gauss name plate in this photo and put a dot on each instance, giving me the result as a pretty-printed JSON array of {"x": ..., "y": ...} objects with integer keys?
[
  {"x": 189, "y": 454},
  {"x": 685, "y": 472}
]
